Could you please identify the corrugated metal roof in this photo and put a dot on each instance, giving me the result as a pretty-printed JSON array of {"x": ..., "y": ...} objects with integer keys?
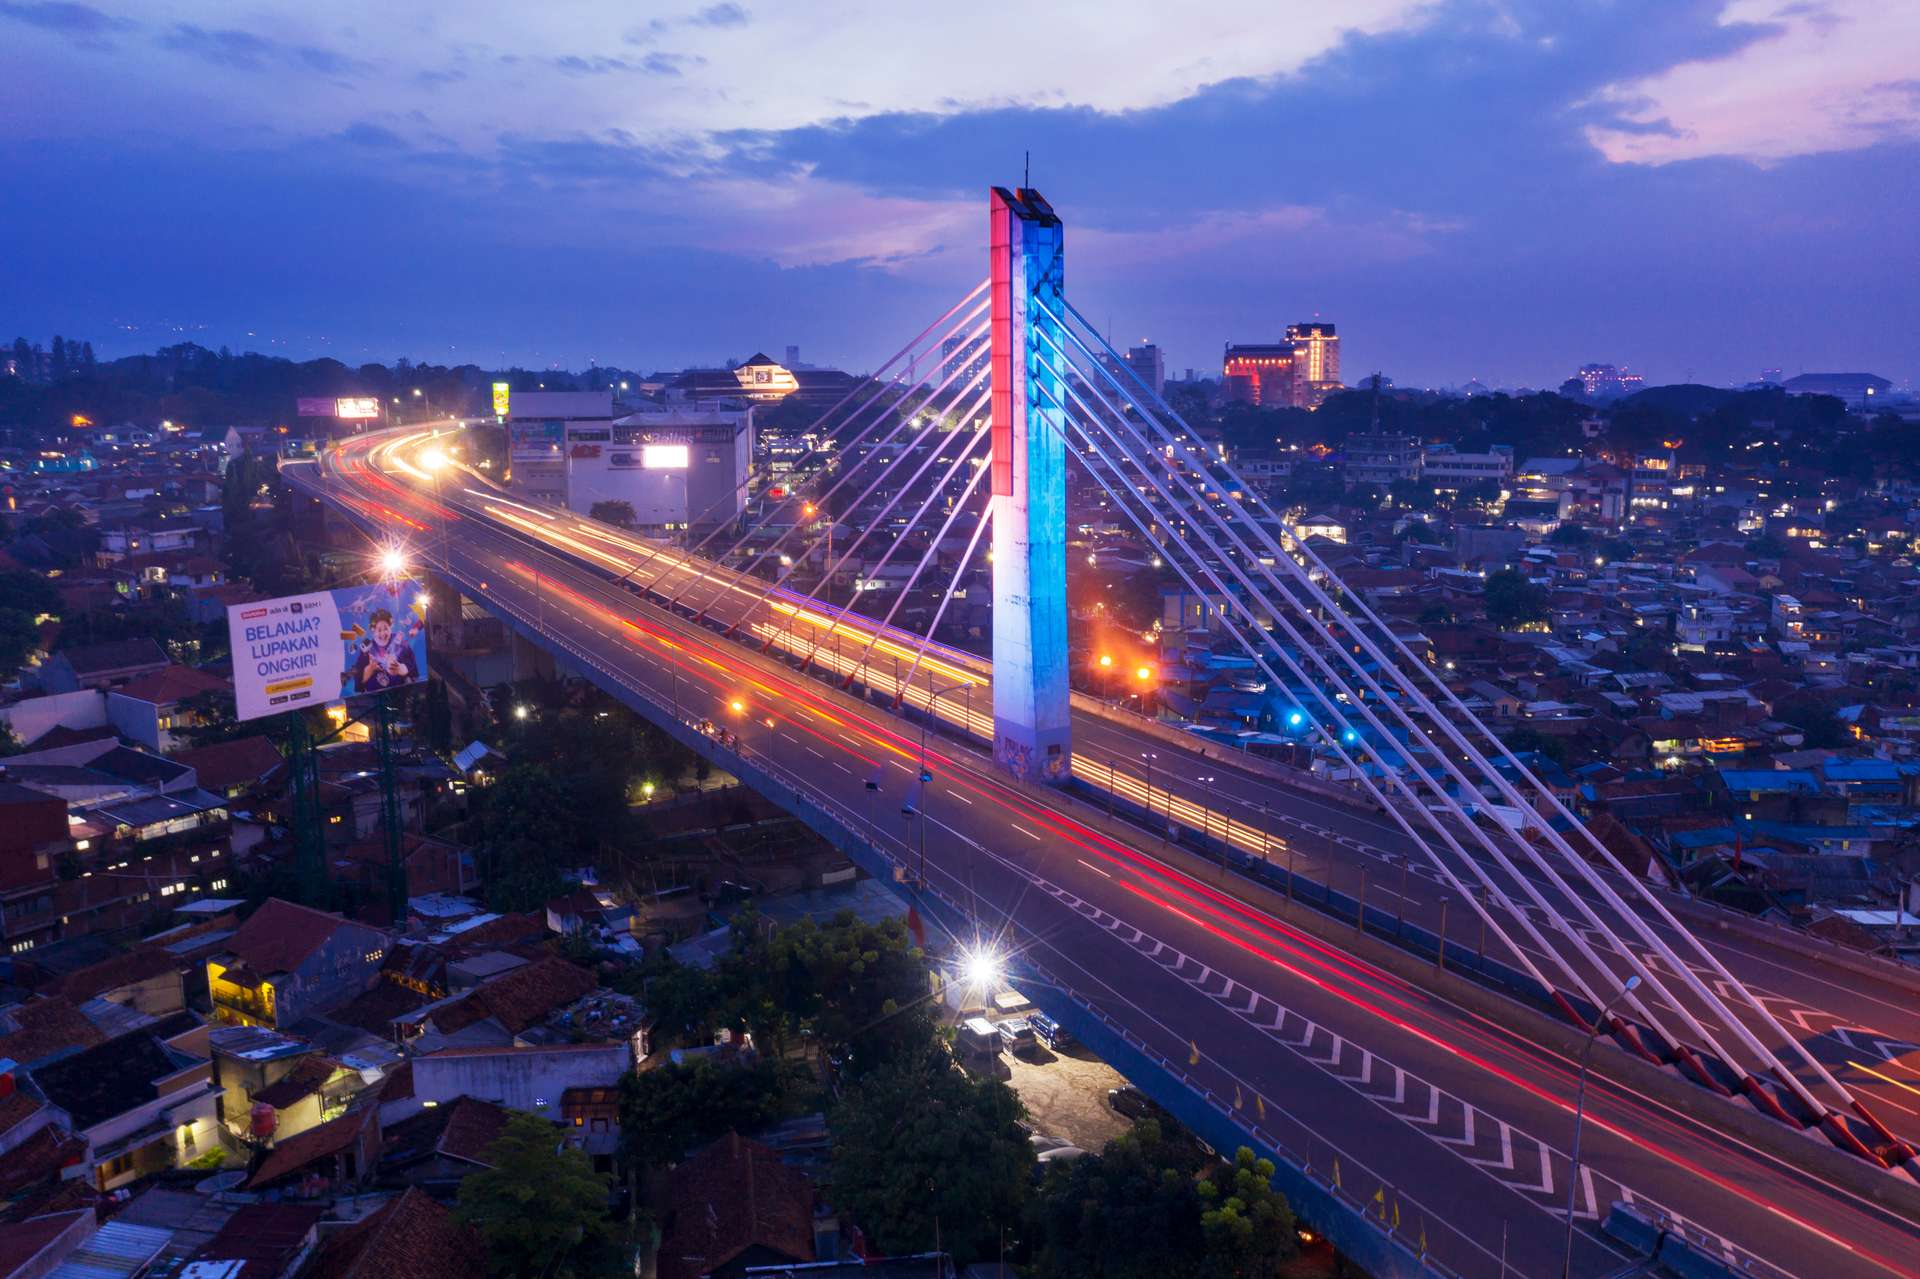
[{"x": 118, "y": 1250}]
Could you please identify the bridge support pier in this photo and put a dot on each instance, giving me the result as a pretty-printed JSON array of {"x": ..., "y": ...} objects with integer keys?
[{"x": 1032, "y": 731}]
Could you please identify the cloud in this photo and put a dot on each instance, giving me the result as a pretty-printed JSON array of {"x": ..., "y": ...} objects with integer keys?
[
  {"x": 84, "y": 24},
  {"x": 246, "y": 51},
  {"x": 371, "y": 135},
  {"x": 721, "y": 15},
  {"x": 654, "y": 64}
]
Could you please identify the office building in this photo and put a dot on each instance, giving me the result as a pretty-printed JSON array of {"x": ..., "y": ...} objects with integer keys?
[
  {"x": 1148, "y": 365},
  {"x": 676, "y": 466},
  {"x": 956, "y": 368},
  {"x": 1607, "y": 381},
  {"x": 1379, "y": 460},
  {"x": 538, "y": 424}
]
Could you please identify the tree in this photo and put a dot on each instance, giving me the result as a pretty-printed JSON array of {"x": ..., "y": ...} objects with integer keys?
[
  {"x": 28, "y": 596},
  {"x": 671, "y": 1111},
  {"x": 921, "y": 1152},
  {"x": 1570, "y": 535},
  {"x": 1130, "y": 1212},
  {"x": 614, "y": 511},
  {"x": 1522, "y": 740},
  {"x": 860, "y": 989},
  {"x": 59, "y": 369},
  {"x": 210, "y": 717},
  {"x": 541, "y": 1207},
  {"x": 1248, "y": 1224},
  {"x": 1511, "y": 600}
]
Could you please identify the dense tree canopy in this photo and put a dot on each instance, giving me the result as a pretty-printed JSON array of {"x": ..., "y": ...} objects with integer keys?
[
  {"x": 540, "y": 1206},
  {"x": 920, "y": 1152}
]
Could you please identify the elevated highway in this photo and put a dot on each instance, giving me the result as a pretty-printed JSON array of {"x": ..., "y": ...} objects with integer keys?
[{"x": 1455, "y": 1110}]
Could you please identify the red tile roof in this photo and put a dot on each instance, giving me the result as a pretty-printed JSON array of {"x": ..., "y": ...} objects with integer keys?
[
  {"x": 47, "y": 1026},
  {"x": 356, "y": 1127},
  {"x": 521, "y": 998},
  {"x": 411, "y": 1238},
  {"x": 236, "y": 763},
  {"x": 135, "y": 966},
  {"x": 472, "y": 1128},
  {"x": 39, "y": 1158},
  {"x": 280, "y": 936},
  {"x": 21, "y": 1242},
  {"x": 729, "y": 1197},
  {"x": 15, "y": 1109},
  {"x": 173, "y": 684},
  {"x": 304, "y": 1080}
]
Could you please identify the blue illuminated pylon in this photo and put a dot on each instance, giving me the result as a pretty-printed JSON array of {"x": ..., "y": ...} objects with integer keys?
[{"x": 1031, "y": 728}]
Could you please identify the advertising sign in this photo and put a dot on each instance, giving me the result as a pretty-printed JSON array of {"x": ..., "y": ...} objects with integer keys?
[
  {"x": 316, "y": 406},
  {"x": 307, "y": 650},
  {"x": 500, "y": 396},
  {"x": 535, "y": 441},
  {"x": 356, "y": 408}
]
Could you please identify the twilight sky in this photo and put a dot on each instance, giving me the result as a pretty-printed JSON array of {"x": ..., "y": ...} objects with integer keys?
[{"x": 1470, "y": 188}]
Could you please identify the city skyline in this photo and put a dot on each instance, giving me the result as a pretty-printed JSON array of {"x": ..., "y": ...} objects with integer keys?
[{"x": 1468, "y": 191}]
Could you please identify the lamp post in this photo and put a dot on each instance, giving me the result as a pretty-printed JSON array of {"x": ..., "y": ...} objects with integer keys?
[
  {"x": 1149, "y": 757},
  {"x": 1580, "y": 1114}
]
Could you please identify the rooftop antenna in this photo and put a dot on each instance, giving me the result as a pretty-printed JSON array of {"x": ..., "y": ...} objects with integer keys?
[{"x": 1026, "y": 170}]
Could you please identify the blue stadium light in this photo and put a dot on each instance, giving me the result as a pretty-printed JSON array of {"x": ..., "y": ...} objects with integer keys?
[{"x": 1295, "y": 719}]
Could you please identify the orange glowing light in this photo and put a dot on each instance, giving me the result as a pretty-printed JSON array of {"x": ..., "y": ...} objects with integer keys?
[
  {"x": 81, "y": 419},
  {"x": 738, "y": 705},
  {"x": 1144, "y": 673},
  {"x": 1106, "y": 659}
]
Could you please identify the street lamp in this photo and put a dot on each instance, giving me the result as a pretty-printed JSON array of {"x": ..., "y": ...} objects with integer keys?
[
  {"x": 1579, "y": 1114},
  {"x": 1149, "y": 757}
]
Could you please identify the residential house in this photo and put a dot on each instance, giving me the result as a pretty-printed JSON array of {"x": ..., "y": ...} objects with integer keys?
[
  {"x": 411, "y": 1238},
  {"x": 288, "y": 961},
  {"x": 733, "y": 1206},
  {"x": 274, "y": 1086},
  {"x": 441, "y": 1144},
  {"x": 337, "y": 1156},
  {"x": 110, "y": 665},
  {"x": 534, "y": 1078},
  {"x": 141, "y": 1105}
]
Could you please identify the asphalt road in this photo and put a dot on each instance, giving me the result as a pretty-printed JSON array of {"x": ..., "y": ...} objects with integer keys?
[{"x": 1458, "y": 1120}]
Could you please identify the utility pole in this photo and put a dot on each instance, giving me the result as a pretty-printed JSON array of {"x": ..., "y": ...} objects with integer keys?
[
  {"x": 390, "y": 815},
  {"x": 310, "y": 868}
]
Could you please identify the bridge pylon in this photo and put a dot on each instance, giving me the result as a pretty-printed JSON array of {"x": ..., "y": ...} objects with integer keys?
[{"x": 1032, "y": 729}]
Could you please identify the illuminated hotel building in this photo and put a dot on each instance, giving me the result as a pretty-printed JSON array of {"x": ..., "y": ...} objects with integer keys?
[
  {"x": 1317, "y": 352},
  {"x": 1299, "y": 372},
  {"x": 1260, "y": 375}
]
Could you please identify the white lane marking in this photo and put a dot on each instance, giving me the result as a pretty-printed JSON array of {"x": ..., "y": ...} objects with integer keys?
[
  {"x": 954, "y": 794},
  {"x": 1023, "y": 830},
  {"x": 816, "y": 754},
  {"x": 1090, "y": 866}
]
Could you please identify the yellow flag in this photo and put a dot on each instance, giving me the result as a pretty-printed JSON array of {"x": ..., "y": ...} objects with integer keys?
[
  {"x": 1336, "y": 1176},
  {"x": 1237, "y": 1102},
  {"x": 1396, "y": 1214},
  {"x": 1380, "y": 1197},
  {"x": 1260, "y": 1104},
  {"x": 1194, "y": 1058},
  {"x": 1423, "y": 1238}
]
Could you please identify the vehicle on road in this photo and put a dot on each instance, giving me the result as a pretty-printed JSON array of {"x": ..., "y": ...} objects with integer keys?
[
  {"x": 1016, "y": 1036},
  {"x": 1049, "y": 1032}
]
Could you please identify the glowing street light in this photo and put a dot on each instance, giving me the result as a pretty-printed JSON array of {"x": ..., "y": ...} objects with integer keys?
[
  {"x": 646, "y": 790},
  {"x": 1144, "y": 674},
  {"x": 521, "y": 711},
  {"x": 737, "y": 705},
  {"x": 981, "y": 968},
  {"x": 433, "y": 459},
  {"x": 393, "y": 562},
  {"x": 1106, "y": 660}
]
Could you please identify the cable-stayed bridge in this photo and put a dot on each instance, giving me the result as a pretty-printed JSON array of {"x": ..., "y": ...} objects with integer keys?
[{"x": 1181, "y": 905}]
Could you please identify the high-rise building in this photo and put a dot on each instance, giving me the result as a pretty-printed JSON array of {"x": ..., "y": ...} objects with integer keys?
[
  {"x": 1148, "y": 365},
  {"x": 955, "y": 366},
  {"x": 1261, "y": 375},
  {"x": 1607, "y": 381},
  {"x": 1318, "y": 348},
  {"x": 1299, "y": 372}
]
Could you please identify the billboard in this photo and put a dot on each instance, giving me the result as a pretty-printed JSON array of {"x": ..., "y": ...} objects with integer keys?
[
  {"x": 535, "y": 441},
  {"x": 316, "y": 406},
  {"x": 307, "y": 650},
  {"x": 664, "y": 457},
  {"x": 356, "y": 408},
  {"x": 500, "y": 395}
]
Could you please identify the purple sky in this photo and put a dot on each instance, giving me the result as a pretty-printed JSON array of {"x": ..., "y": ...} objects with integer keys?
[{"x": 1470, "y": 189}]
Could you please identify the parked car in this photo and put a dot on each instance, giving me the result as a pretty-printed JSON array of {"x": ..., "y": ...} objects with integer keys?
[
  {"x": 1049, "y": 1031},
  {"x": 1059, "y": 1154},
  {"x": 977, "y": 1038},
  {"x": 1016, "y": 1035},
  {"x": 1136, "y": 1105},
  {"x": 1042, "y": 1143}
]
